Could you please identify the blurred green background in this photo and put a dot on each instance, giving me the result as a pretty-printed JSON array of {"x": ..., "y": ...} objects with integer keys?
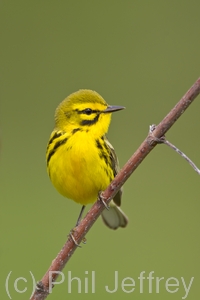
[{"x": 140, "y": 54}]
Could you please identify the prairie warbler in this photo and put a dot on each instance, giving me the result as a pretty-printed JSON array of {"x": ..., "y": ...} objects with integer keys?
[{"x": 80, "y": 160}]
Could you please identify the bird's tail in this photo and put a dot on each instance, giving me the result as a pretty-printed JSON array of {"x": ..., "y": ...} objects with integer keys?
[{"x": 114, "y": 217}]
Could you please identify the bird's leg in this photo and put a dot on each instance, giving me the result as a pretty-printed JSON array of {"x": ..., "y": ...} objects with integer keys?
[
  {"x": 74, "y": 229},
  {"x": 101, "y": 198},
  {"x": 80, "y": 216}
]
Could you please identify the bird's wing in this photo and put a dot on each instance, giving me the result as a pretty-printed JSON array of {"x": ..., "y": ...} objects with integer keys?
[{"x": 115, "y": 167}]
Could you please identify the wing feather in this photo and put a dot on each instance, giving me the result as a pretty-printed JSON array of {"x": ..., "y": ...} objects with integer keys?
[{"x": 115, "y": 167}]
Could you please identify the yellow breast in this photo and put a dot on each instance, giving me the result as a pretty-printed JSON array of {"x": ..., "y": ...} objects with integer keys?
[{"x": 78, "y": 171}]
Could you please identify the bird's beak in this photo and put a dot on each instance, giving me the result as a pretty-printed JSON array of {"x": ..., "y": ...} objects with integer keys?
[{"x": 112, "y": 108}]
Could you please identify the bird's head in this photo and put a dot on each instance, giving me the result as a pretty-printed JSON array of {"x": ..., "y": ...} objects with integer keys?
[{"x": 84, "y": 110}]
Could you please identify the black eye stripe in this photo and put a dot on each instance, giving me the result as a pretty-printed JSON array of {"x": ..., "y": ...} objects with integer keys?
[
  {"x": 87, "y": 111},
  {"x": 90, "y": 122}
]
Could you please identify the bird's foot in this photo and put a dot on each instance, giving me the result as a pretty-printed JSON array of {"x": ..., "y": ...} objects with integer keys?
[
  {"x": 101, "y": 199},
  {"x": 71, "y": 234}
]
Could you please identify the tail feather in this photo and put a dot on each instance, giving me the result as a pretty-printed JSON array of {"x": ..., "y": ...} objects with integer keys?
[{"x": 114, "y": 217}]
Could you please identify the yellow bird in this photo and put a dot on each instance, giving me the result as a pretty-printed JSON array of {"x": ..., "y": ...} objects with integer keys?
[{"x": 80, "y": 160}]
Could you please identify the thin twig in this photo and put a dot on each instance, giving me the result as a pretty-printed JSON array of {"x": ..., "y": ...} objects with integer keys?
[
  {"x": 163, "y": 140},
  {"x": 182, "y": 154},
  {"x": 45, "y": 285}
]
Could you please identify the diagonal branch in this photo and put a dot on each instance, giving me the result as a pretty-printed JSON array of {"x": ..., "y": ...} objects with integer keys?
[{"x": 44, "y": 287}]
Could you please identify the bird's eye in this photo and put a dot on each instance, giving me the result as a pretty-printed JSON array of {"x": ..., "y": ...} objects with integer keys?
[{"x": 88, "y": 111}]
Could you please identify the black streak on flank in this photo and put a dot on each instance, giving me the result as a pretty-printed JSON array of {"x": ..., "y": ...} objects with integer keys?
[
  {"x": 90, "y": 122},
  {"x": 55, "y": 136},
  {"x": 105, "y": 158},
  {"x": 75, "y": 130},
  {"x": 102, "y": 152},
  {"x": 58, "y": 144},
  {"x": 108, "y": 174},
  {"x": 99, "y": 145}
]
